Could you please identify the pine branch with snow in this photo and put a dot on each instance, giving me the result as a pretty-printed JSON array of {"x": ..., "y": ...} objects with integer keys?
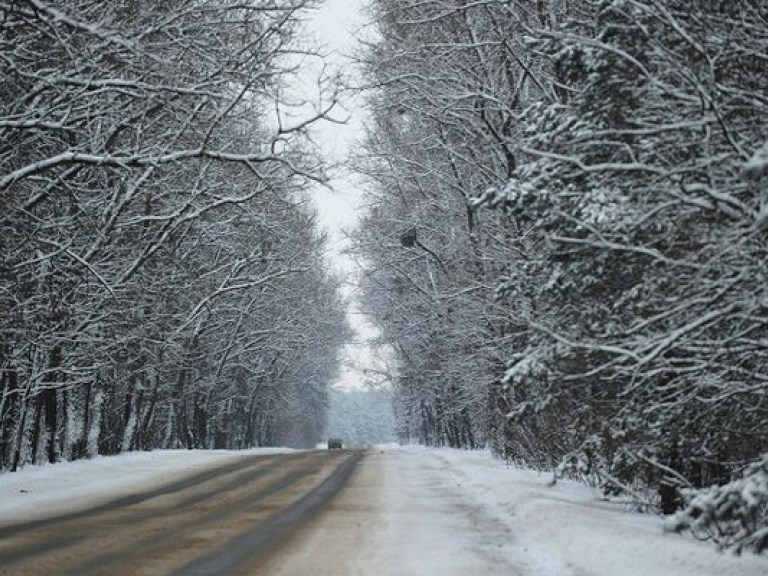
[{"x": 734, "y": 515}]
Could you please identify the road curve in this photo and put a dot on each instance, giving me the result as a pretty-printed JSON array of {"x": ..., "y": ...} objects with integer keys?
[{"x": 221, "y": 521}]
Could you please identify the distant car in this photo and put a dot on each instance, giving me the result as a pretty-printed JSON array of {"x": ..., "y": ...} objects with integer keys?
[{"x": 335, "y": 444}]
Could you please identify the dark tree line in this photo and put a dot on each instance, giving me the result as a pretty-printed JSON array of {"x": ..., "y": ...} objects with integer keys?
[
  {"x": 566, "y": 244},
  {"x": 162, "y": 280}
]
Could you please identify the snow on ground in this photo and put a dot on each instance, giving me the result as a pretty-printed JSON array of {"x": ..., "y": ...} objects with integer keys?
[
  {"x": 416, "y": 511},
  {"x": 568, "y": 529},
  {"x": 37, "y": 491}
]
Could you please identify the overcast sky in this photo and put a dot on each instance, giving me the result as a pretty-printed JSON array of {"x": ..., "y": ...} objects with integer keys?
[{"x": 335, "y": 26}]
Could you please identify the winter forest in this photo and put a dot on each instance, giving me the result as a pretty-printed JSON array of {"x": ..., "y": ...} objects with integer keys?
[
  {"x": 563, "y": 245},
  {"x": 162, "y": 277}
]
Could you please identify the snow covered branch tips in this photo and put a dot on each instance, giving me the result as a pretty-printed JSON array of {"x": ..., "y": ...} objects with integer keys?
[
  {"x": 161, "y": 281},
  {"x": 735, "y": 514},
  {"x": 592, "y": 174}
]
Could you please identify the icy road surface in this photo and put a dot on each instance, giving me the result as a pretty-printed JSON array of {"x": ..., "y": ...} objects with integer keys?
[{"x": 387, "y": 512}]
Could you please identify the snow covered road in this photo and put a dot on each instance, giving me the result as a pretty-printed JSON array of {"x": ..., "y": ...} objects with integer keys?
[
  {"x": 438, "y": 512},
  {"x": 404, "y": 511},
  {"x": 220, "y": 520},
  {"x": 399, "y": 516}
]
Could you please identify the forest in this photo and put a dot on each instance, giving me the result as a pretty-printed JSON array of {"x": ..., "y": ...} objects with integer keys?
[
  {"x": 566, "y": 241},
  {"x": 564, "y": 244},
  {"x": 162, "y": 281}
]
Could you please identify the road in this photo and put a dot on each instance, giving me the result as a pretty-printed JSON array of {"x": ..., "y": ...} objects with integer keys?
[
  {"x": 318, "y": 513},
  {"x": 224, "y": 520},
  {"x": 391, "y": 511},
  {"x": 403, "y": 513}
]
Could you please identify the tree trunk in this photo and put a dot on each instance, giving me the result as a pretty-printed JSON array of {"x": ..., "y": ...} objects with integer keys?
[
  {"x": 129, "y": 416},
  {"x": 200, "y": 431},
  {"x": 146, "y": 422},
  {"x": 20, "y": 432},
  {"x": 184, "y": 434},
  {"x": 47, "y": 406},
  {"x": 10, "y": 412},
  {"x": 93, "y": 431}
]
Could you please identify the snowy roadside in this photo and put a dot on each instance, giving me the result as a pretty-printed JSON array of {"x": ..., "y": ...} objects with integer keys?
[
  {"x": 426, "y": 511},
  {"x": 39, "y": 491},
  {"x": 569, "y": 529}
]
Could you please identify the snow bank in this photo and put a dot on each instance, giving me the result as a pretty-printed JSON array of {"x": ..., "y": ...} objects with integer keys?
[
  {"x": 38, "y": 491},
  {"x": 570, "y": 529},
  {"x": 432, "y": 511}
]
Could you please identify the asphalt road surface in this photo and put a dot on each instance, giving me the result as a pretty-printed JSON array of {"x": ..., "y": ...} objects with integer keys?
[
  {"x": 226, "y": 520},
  {"x": 317, "y": 513}
]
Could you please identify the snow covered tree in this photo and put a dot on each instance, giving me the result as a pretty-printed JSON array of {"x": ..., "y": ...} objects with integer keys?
[
  {"x": 611, "y": 309},
  {"x": 361, "y": 416},
  {"x": 152, "y": 209},
  {"x": 447, "y": 82},
  {"x": 733, "y": 515},
  {"x": 648, "y": 230}
]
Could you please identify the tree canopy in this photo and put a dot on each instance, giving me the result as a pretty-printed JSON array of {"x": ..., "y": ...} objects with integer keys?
[
  {"x": 565, "y": 244},
  {"x": 162, "y": 280}
]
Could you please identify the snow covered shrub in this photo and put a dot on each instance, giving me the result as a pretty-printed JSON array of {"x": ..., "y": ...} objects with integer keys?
[
  {"x": 621, "y": 472},
  {"x": 734, "y": 515},
  {"x": 585, "y": 463}
]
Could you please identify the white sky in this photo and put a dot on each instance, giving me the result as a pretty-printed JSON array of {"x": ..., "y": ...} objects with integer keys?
[{"x": 335, "y": 25}]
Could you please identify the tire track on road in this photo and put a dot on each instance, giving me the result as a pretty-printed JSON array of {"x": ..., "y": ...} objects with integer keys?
[
  {"x": 235, "y": 555},
  {"x": 227, "y": 512},
  {"x": 180, "y": 534},
  {"x": 15, "y": 528},
  {"x": 72, "y": 528}
]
